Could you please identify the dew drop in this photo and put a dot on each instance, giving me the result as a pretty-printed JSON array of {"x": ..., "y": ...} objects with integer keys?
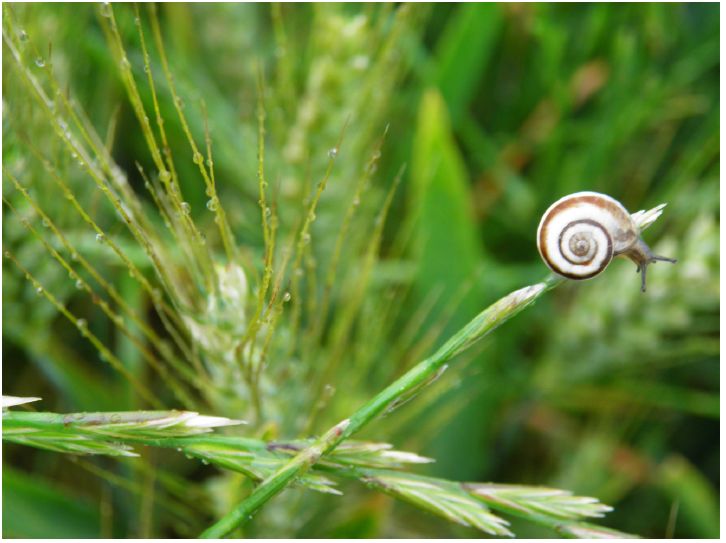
[
  {"x": 198, "y": 158},
  {"x": 81, "y": 323},
  {"x": 46, "y": 224},
  {"x": 164, "y": 176},
  {"x": 212, "y": 204},
  {"x": 23, "y": 36},
  {"x": 286, "y": 297},
  {"x": 179, "y": 102},
  {"x": 205, "y": 461},
  {"x": 125, "y": 64},
  {"x": 74, "y": 257},
  {"x": 39, "y": 62},
  {"x": 39, "y": 290},
  {"x": 186, "y": 208},
  {"x": 332, "y": 153},
  {"x": 106, "y": 9},
  {"x": 79, "y": 284},
  {"x": 100, "y": 238},
  {"x": 268, "y": 212},
  {"x": 306, "y": 238}
]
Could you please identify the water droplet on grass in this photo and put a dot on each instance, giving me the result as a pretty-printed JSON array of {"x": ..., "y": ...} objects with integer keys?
[
  {"x": 39, "y": 62},
  {"x": 186, "y": 208},
  {"x": 332, "y": 153},
  {"x": 100, "y": 238},
  {"x": 212, "y": 204}
]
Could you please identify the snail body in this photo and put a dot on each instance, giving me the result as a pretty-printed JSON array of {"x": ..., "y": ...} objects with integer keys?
[{"x": 580, "y": 234}]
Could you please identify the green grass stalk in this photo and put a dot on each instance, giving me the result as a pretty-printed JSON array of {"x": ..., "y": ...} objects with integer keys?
[{"x": 416, "y": 378}]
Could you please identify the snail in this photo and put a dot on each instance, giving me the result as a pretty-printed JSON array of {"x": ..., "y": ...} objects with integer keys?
[{"x": 581, "y": 233}]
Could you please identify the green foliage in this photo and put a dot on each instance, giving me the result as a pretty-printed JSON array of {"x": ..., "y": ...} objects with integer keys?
[
  {"x": 115, "y": 434},
  {"x": 271, "y": 212},
  {"x": 37, "y": 509}
]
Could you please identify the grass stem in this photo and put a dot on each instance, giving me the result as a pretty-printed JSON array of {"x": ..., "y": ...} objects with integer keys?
[{"x": 416, "y": 378}]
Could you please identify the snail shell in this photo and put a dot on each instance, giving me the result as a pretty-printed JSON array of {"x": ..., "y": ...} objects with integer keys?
[{"x": 581, "y": 233}]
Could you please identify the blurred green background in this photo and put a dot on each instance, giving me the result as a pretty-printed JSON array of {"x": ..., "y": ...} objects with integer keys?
[{"x": 496, "y": 110}]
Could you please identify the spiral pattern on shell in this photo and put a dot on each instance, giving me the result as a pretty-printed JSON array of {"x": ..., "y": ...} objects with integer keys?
[{"x": 580, "y": 234}]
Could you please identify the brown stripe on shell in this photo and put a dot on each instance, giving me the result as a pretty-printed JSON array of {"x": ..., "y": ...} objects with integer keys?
[
  {"x": 597, "y": 200},
  {"x": 578, "y": 277},
  {"x": 591, "y": 223}
]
